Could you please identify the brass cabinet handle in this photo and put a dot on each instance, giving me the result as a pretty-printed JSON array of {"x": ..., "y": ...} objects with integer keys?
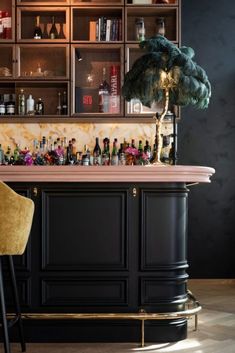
[
  {"x": 35, "y": 192},
  {"x": 134, "y": 192}
]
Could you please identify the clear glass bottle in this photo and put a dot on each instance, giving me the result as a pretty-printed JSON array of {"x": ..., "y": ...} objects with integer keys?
[
  {"x": 160, "y": 26},
  {"x": 139, "y": 29},
  {"x": 21, "y": 103},
  {"x": 64, "y": 104},
  {"x": 30, "y": 105}
]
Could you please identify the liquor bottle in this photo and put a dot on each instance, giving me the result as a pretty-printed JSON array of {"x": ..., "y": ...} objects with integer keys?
[
  {"x": 105, "y": 152},
  {"x": 39, "y": 109},
  {"x": 114, "y": 159},
  {"x": 37, "y": 30},
  {"x": 53, "y": 34},
  {"x": 104, "y": 90},
  {"x": 121, "y": 155},
  {"x": 2, "y": 105},
  {"x": 45, "y": 32},
  {"x": 6, "y": 21},
  {"x": 21, "y": 103},
  {"x": 16, "y": 152},
  {"x": 133, "y": 143},
  {"x": 172, "y": 154},
  {"x": 10, "y": 106},
  {"x": 64, "y": 104},
  {"x": 2, "y": 159},
  {"x": 7, "y": 156},
  {"x": 154, "y": 153},
  {"x": 97, "y": 153},
  {"x": 140, "y": 148},
  {"x": 30, "y": 105},
  {"x": 59, "y": 106},
  {"x": 147, "y": 150},
  {"x": 140, "y": 29},
  {"x": 164, "y": 156}
]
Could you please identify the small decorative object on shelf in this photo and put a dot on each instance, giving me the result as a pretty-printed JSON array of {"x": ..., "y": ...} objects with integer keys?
[
  {"x": 140, "y": 29},
  {"x": 30, "y": 105},
  {"x": 160, "y": 25},
  {"x": 59, "y": 105}
]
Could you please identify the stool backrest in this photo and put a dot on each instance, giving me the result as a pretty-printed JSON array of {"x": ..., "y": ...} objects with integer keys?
[{"x": 16, "y": 215}]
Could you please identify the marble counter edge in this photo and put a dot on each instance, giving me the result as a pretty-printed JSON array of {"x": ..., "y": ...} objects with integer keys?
[{"x": 179, "y": 173}]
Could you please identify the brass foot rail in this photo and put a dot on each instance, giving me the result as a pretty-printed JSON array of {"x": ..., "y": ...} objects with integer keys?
[{"x": 193, "y": 308}]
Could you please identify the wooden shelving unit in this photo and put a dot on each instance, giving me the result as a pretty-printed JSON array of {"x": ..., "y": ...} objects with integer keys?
[{"x": 43, "y": 67}]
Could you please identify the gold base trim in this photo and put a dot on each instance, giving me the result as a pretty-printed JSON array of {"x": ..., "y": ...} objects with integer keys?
[{"x": 193, "y": 308}]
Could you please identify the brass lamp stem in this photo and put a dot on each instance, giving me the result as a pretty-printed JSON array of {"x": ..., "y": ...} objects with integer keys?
[{"x": 159, "y": 119}]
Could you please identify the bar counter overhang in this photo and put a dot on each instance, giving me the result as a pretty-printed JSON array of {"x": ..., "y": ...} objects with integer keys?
[
  {"x": 161, "y": 173},
  {"x": 131, "y": 258}
]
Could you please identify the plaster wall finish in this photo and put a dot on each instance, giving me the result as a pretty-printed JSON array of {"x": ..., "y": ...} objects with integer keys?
[{"x": 208, "y": 138}]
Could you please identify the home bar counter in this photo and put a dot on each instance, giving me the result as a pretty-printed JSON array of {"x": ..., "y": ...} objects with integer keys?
[{"x": 106, "y": 243}]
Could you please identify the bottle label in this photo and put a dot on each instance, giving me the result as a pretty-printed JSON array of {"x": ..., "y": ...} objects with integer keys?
[
  {"x": 10, "y": 109},
  {"x": 2, "y": 109},
  {"x": 6, "y": 21},
  {"x": 114, "y": 160}
]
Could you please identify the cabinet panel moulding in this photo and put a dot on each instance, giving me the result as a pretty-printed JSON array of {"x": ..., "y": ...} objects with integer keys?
[
  {"x": 160, "y": 240},
  {"x": 86, "y": 292},
  {"x": 81, "y": 245}
]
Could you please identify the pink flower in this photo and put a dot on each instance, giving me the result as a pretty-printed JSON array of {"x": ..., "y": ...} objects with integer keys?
[{"x": 132, "y": 151}]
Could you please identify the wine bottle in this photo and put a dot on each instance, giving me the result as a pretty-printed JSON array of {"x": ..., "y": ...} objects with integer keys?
[
  {"x": 39, "y": 107},
  {"x": 104, "y": 90},
  {"x": 61, "y": 32},
  {"x": 37, "y": 30},
  {"x": 45, "y": 33},
  {"x": 97, "y": 153},
  {"x": 2, "y": 105},
  {"x": 10, "y": 106},
  {"x": 53, "y": 34},
  {"x": 114, "y": 159}
]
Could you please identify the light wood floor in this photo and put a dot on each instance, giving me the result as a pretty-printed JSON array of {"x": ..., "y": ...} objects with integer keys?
[{"x": 216, "y": 332}]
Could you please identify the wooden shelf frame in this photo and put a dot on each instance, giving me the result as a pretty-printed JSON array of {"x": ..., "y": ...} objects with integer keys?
[
  {"x": 39, "y": 11},
  {"x": 69, "y": 6}
]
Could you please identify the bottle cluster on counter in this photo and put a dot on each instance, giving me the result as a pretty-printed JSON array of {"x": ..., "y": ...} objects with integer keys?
[
  {"x": 63, "y": 152},
  {"x": 10, "y": 104}
]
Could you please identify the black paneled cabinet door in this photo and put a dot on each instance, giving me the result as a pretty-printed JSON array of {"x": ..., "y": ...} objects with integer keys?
[{"x": 102, "y": 248}]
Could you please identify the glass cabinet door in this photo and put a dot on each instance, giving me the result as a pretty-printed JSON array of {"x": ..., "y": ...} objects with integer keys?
[
  {"x": 97, "y": 80},
  {"x": 42, "y": 62},
  {"x": 6, "y": 62}
]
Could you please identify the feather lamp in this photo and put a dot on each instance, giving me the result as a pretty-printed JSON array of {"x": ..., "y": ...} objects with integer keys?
[{"x": 166, "y": 74}]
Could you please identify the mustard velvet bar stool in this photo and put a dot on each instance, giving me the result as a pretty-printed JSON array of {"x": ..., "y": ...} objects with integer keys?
[{"x": 16, "y": 215}]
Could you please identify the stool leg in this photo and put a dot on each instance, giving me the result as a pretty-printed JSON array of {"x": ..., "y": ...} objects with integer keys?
[
  {"x": 3, "y": 311},
  {"x": 17, "y": 303}
]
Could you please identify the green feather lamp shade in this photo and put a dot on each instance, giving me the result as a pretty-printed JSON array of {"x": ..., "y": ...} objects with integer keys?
[{"x": 143, "y": 81}]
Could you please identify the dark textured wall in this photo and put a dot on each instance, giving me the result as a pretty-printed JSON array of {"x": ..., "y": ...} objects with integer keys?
[{"x": 207, "y": 137}]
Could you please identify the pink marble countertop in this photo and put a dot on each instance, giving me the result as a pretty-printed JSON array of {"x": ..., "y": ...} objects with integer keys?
[{"x": 165, "y": 173}]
